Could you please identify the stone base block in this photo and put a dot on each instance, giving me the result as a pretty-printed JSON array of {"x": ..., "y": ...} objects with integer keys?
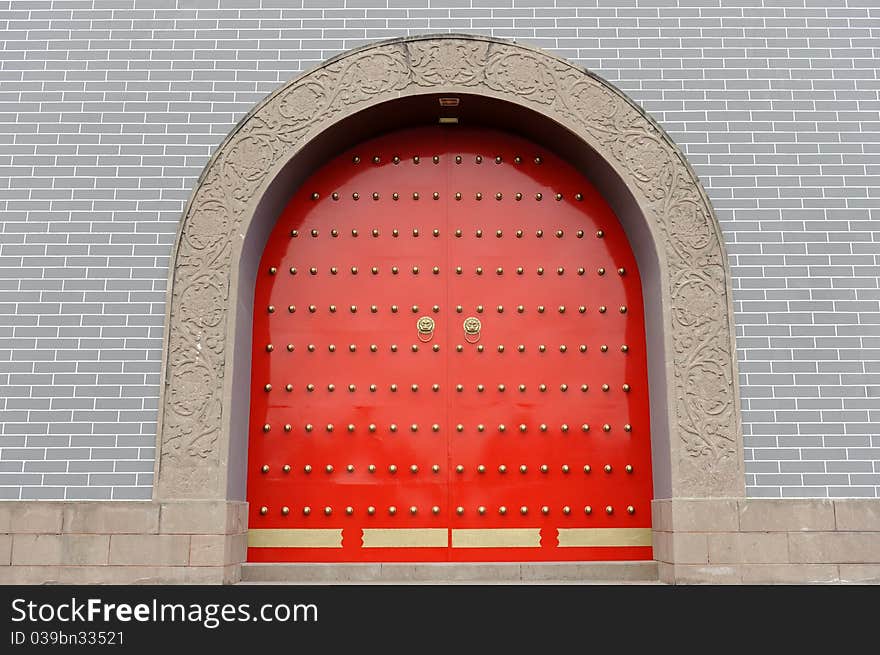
[
  {"x": 120, "y": 574},
  {"x": 767, "y": 541},
  {"x": 186, "y": 542},
  {"x": 441, "y": 572},
  {"x": 696, "y": 541}
]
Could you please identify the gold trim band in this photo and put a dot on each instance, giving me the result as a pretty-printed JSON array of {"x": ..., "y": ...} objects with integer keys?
[
  {"x": 295, "y": 538},
  {"x": 406, "y": 537},
  {"x": 496, "y": 538},
  {"x": 585, "y": 537},
  {"x": 438, "y": 537}
]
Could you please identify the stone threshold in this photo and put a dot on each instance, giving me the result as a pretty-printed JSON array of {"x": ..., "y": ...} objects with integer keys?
[{"x": 645, "y": 572}]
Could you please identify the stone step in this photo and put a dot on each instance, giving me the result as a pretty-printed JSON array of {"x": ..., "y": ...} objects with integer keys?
[{"x": 640, "y": 572}]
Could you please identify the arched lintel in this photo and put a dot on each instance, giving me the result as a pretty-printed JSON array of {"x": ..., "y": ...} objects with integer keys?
[{"x": 694, "y": 398}]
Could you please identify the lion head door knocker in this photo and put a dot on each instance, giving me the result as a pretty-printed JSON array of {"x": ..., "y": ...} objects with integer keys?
[
  {"x": 472, "y": 327},
  {"x": 425, "y": 326}
]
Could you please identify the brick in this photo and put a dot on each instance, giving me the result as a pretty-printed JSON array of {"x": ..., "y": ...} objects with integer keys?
[
  {"x": 661, "y": 514},
  {"x": 707, "y": 574},
  {"x": 857, "y": 515},
  {"x": 111, "y": 518},
  {"x": 199, "y": 517},
  {"x": 29, "y": 575},
  {"x": 835, "y": 547},
  {"x": 35, "y": 517},
  {"x": 85, "y": 549},
  {"x": 689, "y": 548},
  {"x": 860, "y": 573},
  {"x": 748, "y": 548},
  {"x": 788, "y": 515},
  {"x": 237, "y": 516},
  {"x": 149, "y": 550},
  {"x": 704, "y": 515},
  {"x": 37, "y": 549},
  {"x": 6, "y": 517},
  {"x": 5, "y": 549},
  {"x": 208, "y": 550},
  {"x": 790, "y": 573},
  {"x": 662, "y": 546},
  {"x": 218, "y": 550}
]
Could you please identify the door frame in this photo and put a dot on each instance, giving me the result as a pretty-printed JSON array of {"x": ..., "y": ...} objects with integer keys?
[{"x": 697, "y": 447}]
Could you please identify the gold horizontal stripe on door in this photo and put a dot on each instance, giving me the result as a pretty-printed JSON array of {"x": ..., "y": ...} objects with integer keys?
[
  {"x": 496, "y": 538},
  {"x": 406, "y": 537},
  {"x": 586, "y": 537},
  {"x": 295, "y": 538}
]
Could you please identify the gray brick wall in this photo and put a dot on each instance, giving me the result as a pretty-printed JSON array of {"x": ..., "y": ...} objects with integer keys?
[{"x": 110, "y": 108}]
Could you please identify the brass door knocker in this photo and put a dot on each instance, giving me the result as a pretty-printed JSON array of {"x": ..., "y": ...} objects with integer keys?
[
  {"x": 425, "y": 326},
  {"x": 472, "y": 327}
]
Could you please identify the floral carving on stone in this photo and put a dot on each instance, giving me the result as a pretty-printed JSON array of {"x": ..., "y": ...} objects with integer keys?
[
  {"x": 208, "y": 226},
  {"x": 522, "y": 74},
  {"x": 445, "y": 61},
  {"x": 193, "y": 438}
]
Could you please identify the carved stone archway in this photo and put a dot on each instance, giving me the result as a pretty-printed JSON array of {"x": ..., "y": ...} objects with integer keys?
[{"x": 698, "y": 412}]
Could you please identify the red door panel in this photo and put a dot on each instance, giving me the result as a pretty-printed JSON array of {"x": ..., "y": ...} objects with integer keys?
[{"x": 378, "y": 441}]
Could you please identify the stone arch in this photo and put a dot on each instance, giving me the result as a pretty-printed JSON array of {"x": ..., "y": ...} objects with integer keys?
[{"x": 695, "y": 401}]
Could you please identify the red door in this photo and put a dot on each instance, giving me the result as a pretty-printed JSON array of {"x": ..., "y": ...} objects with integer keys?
[{"x": 449, "y": 362}]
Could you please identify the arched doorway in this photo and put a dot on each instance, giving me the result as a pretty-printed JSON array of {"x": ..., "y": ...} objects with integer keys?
[
  {"x": 203, "y": 426},
  {"x": 449, "y": 361}
]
